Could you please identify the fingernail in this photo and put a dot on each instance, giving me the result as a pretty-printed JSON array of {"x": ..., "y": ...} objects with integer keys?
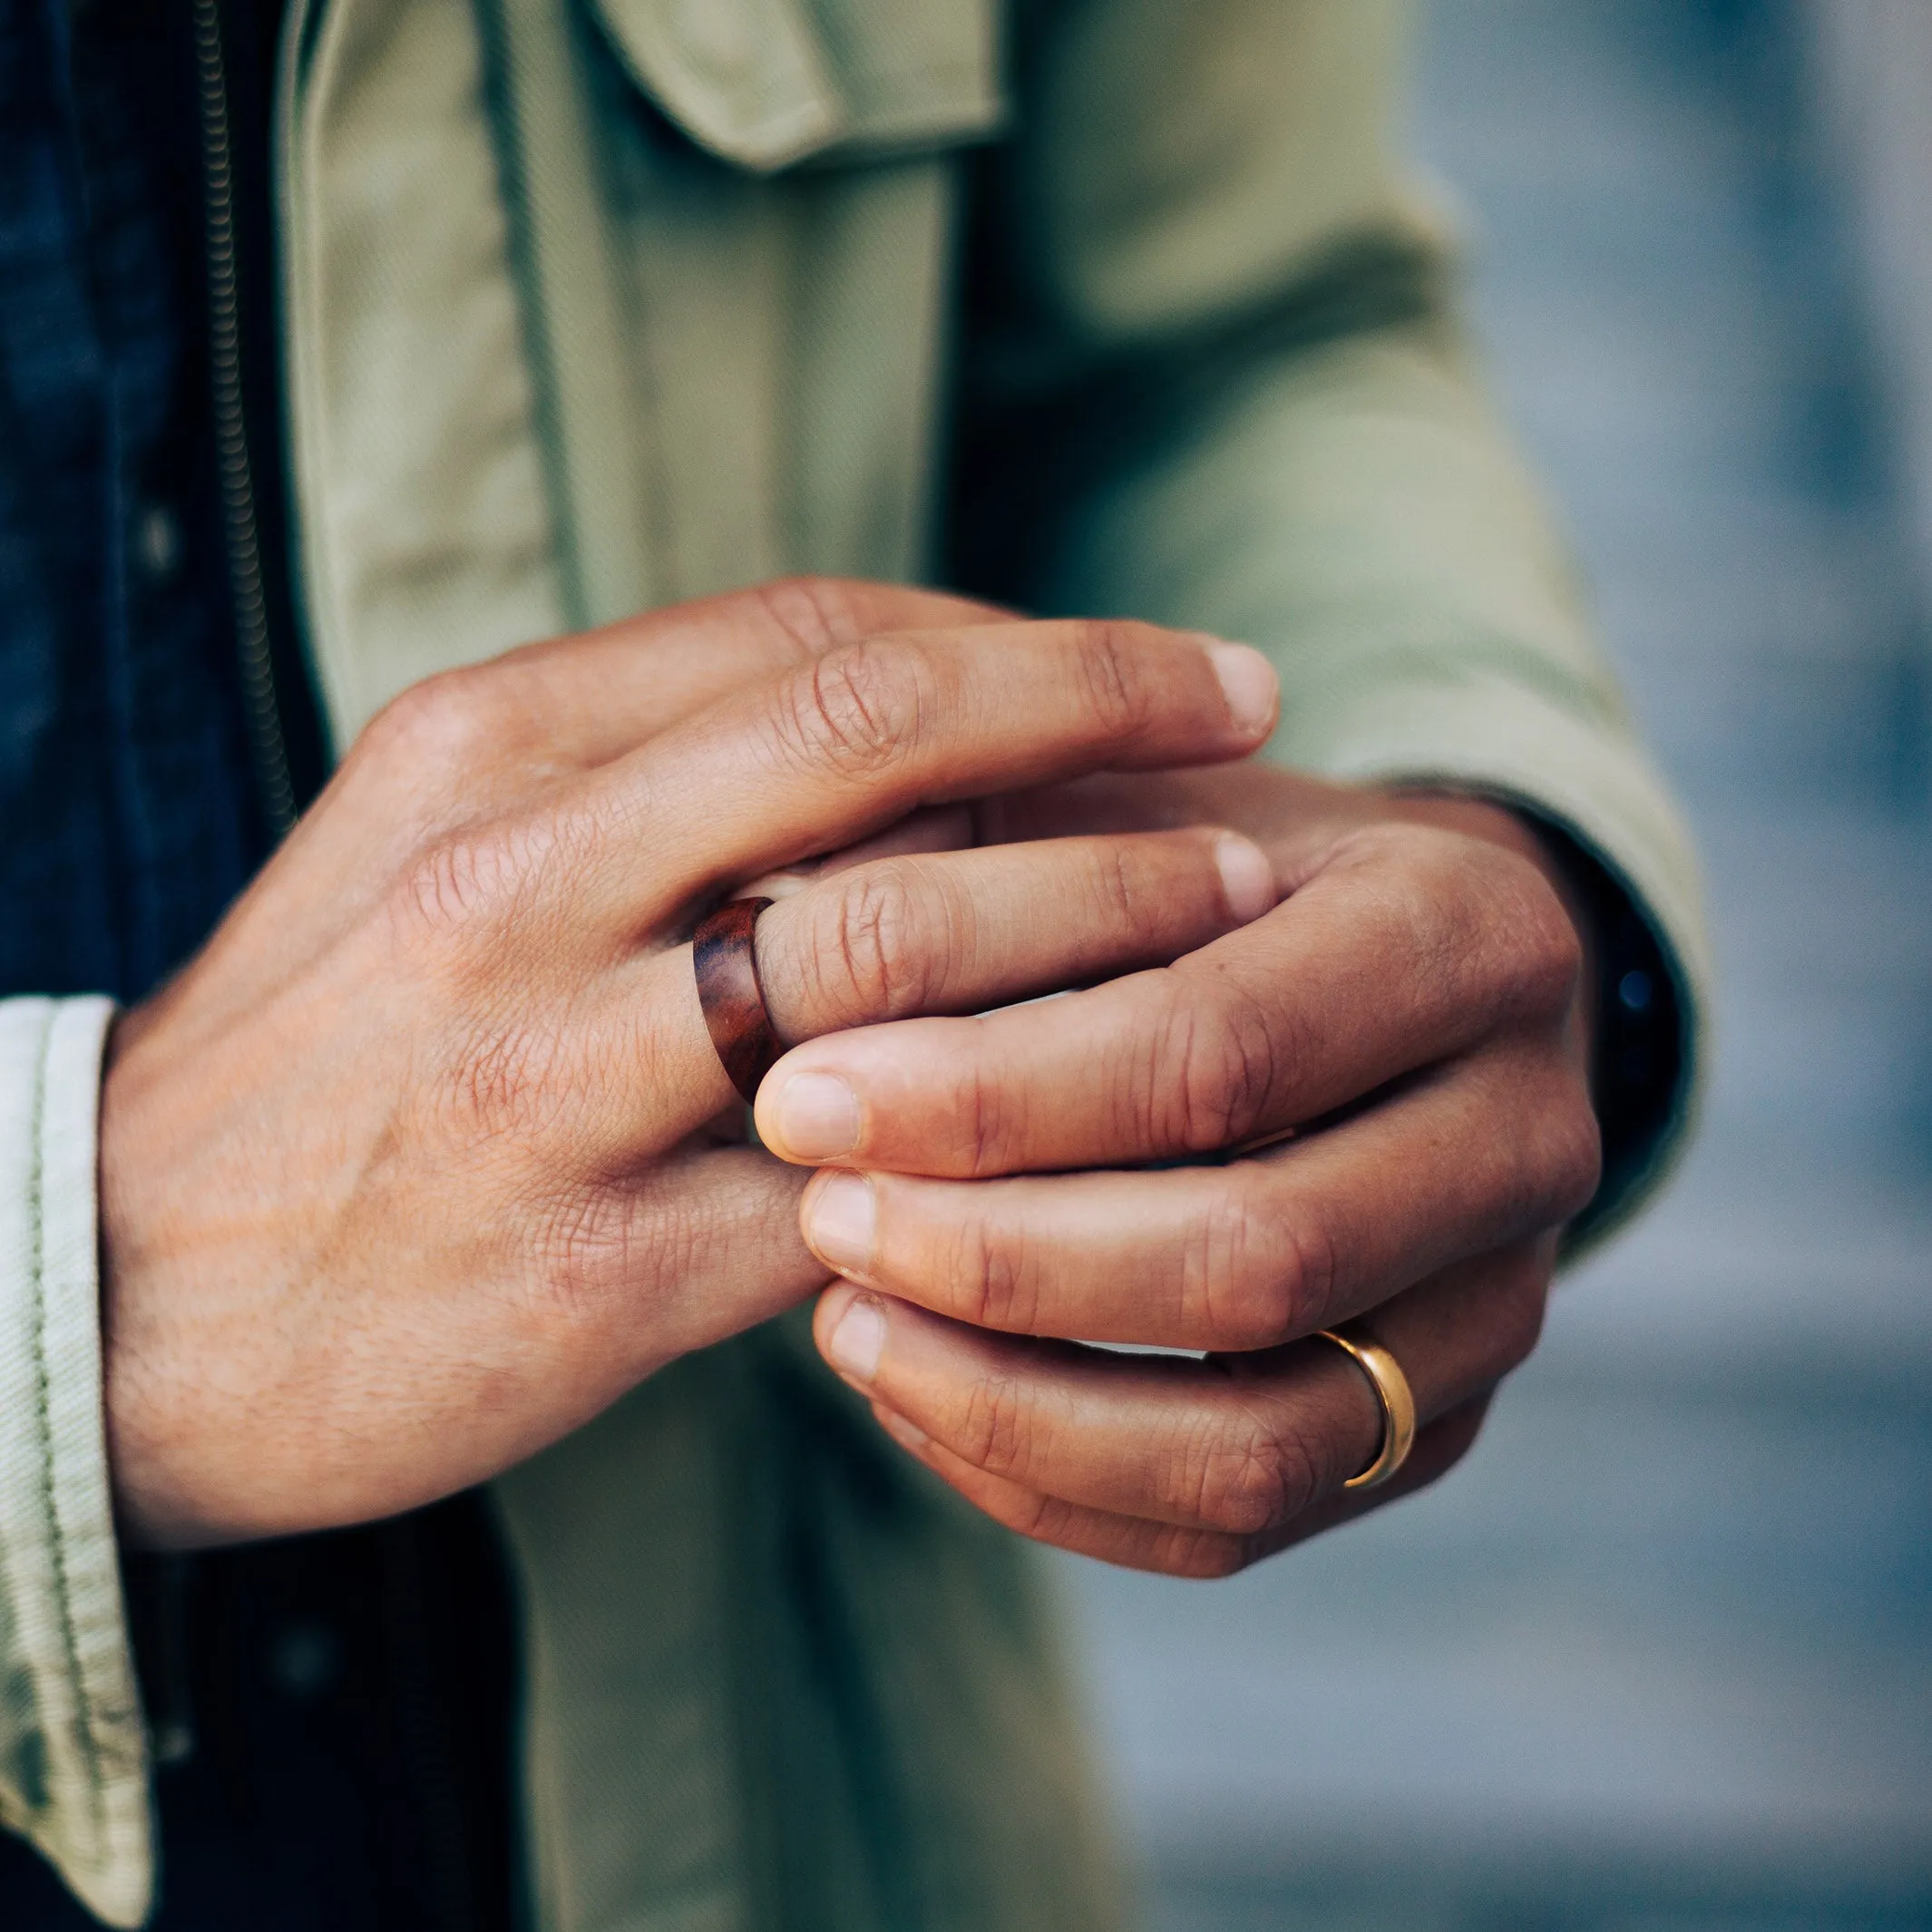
[
  {"x": 1246, "y": 876},
  {"x": 1249, "y": 683},
  {"x": 839, "y": 1222},
  {"x": 858, "y": 1339},
  {"x": 818, "y": 1117}
]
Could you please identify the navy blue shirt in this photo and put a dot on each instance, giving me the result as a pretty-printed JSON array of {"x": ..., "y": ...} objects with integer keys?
[
  {"x": 332, "y": 1714},
  {"x": 125, "y": 792}
]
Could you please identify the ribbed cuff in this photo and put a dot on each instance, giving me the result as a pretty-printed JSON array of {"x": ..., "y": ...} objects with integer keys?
[{"x": 73, "y": 1769}]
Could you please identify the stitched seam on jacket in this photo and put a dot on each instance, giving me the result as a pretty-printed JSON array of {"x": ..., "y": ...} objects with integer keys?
[
  {"x": 43, "y": 1415},
  {"x": 498, "y": 80}
]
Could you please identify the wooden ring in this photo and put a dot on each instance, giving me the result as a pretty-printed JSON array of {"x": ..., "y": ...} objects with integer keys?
[{"x": 726, "y": 964}]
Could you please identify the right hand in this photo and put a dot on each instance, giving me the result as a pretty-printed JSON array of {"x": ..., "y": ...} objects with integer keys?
[{"x": 407, "y": 1175}]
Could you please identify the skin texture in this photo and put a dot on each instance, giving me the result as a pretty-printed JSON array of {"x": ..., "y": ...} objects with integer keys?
[
  {"x": 1413, "y": 1007},
  {"x": 428, "y": 1157},
  {"x": 414, "y": 1169}
]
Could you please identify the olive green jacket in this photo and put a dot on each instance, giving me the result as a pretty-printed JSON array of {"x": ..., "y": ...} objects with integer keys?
[{"x": 1113, "y": 305}]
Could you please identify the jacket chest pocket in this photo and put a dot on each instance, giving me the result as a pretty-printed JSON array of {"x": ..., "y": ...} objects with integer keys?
[
  {"x": 766, "y": 84},
  {"x": 735, "y": 224},
  {"x": 596, "y": 305}
]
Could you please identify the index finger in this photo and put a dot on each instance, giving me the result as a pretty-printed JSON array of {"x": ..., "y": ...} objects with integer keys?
[
  {"x": 593, "y": 696},
  {"x": 841, "y": 747}
]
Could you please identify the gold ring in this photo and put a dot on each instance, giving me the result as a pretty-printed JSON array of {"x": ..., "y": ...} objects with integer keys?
[{"x": 1396, "y": 1399}]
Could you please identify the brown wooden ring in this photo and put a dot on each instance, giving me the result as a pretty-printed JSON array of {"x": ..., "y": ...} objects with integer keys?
[{"x": 725, "y": 963}]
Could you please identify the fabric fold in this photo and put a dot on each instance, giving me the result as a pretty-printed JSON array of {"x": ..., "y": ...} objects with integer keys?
[
  {"x": 73, "y": 1762},
  {"x": 768, "y": 83}
]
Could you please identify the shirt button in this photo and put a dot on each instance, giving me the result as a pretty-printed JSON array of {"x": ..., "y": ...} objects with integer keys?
[
  {"x": 1634, "y": 992},
  {"x": 158, "y": 542},
  {"x": 304, "y": 1659}
]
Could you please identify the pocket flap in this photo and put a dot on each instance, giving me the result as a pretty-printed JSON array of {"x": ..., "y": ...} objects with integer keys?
[{"x": 768, "y": 83}]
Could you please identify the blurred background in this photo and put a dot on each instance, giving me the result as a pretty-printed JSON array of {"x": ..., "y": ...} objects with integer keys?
[{"x": 1660, "y": 1655}]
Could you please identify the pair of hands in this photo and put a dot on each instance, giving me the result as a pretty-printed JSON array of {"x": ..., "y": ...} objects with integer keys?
[{"x": 427, "y": 1157}]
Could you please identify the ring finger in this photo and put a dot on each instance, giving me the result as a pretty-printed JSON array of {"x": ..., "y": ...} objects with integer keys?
[
  {"x": 1237, "y": 1445},
  {"x": 1174, "y": 1549}
]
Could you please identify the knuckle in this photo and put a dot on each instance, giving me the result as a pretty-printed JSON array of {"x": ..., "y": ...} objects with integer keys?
[
  {"x": 994, "y": 1282},
  {"x": 476, "y": 876},
  {"x": 1484, "y": 918},
  {"x": 1112, "y": 676},
  {"x": 1123, "y": 898},
  {"x": 447, "y": 883},
  {"x": 1286, "y": 1282},
  {"x": 991, "y": 1116},
  {"x": 1516, "y": 1301},
  {"x": 1532, "y": 936},
  {"x": 580, "y": 1246},
  {"x": 1520, "y": 1329},
  {"x": 1254, "y": 1482},
  {"x": 855, "y": 712},
  {"x": 812, "y": 613},
  {"x": 513, "y": 1080},
  {"x": 1244, "y": 1275},
  {"x": 593, "y": 1246},
  {"x": 1573, "y": 1151},
  {"x": 1551, "y": 950},
  {"x": 1211, "y": 1071},
  {"x": 441, "y": 726},
  {"x": 1310, "y": 1271},
  {"x": 494, "y": 1077},
  {"x": 994, "y": 1426},
  {"x": 1552, "y": 1156},
  {"x": 1218, "y": 1287},
  {"x": 862, "y": 957},
  {"x": 1447, "y": 920}
]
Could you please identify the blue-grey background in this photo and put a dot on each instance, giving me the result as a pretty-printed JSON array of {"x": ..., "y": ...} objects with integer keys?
[{"x": 1659, "y": 1655}]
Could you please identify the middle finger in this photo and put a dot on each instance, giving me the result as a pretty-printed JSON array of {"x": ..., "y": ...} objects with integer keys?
[
  {"x": 1482, "y": 1152},
  {"x": 838, "y": 750}
]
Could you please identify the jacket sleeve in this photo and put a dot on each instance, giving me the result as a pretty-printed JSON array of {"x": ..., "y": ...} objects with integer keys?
[
  {"x": 1213, "y": 379},
  {"x": 74, "y": 1775}
]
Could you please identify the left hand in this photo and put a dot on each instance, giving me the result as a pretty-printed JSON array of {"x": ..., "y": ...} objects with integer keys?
[{"x": 1415, "y": 1008}]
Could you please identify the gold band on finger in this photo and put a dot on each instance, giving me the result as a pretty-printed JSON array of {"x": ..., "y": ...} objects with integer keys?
[{"x": 1393, "y": 1393}]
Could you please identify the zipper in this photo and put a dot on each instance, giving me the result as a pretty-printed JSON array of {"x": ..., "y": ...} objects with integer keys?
[
  {"x": 273, "y": 776},
  {"x": 446, "y": 1874}
]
